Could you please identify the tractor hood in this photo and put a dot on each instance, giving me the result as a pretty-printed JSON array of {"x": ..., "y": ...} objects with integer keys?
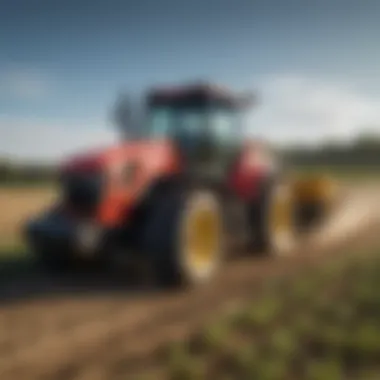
[
  {"x": 152, "y": 155},
  {"x": 105, "y": 184}
]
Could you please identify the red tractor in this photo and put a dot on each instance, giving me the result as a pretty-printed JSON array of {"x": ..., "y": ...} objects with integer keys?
[{"x": 179, "y": 197}]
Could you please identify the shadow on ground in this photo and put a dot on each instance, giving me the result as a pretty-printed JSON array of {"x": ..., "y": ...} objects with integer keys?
[{"x": 22, "y": 278}]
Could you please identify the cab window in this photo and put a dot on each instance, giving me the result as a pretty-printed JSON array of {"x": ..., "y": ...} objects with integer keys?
[{"x": 224, "y": 125}]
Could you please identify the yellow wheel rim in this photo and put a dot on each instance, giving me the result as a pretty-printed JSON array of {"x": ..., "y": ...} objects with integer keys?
[{"x": 202, "y": 236}]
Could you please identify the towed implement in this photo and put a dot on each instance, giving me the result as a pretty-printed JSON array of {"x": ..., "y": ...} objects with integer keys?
[{"x": 181, "y": 195}]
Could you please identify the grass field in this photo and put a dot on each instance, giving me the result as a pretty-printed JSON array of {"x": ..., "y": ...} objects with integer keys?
[{"x": 323, "y": 326}]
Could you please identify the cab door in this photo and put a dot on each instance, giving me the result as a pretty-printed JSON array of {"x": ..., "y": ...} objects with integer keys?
[{"x": 225, "y": 137}]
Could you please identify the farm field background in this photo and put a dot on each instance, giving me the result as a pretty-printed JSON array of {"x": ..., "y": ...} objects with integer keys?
[{"x": 101, "y": 327}]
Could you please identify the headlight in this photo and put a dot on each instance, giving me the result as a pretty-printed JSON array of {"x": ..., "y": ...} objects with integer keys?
[{"x": 88, "y": 237}]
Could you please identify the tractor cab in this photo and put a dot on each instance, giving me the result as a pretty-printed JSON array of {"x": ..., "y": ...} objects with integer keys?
[{"x": 203, "y": 121}]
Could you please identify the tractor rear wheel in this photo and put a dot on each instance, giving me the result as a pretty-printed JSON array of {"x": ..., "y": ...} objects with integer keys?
[
  {"x": 274, "y": 219},
  {"x": 184, "y": 237}
]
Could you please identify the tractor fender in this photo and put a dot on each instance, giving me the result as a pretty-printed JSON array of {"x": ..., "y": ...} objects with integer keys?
[{"x": 254, "y": 166}]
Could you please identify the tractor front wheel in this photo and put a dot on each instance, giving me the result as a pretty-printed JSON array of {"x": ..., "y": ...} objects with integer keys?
[{"x": 184, "y": 237}]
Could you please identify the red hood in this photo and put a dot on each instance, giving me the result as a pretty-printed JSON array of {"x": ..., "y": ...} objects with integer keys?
[{"x": 95, "y": 160}]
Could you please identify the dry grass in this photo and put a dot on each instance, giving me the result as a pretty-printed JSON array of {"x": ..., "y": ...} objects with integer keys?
[{"x": 16, "y": 205}]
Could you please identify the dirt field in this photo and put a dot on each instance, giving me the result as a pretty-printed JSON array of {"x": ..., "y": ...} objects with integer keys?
[
  {"x": 17, "y": 204},
  {"x": 104, "y": 327}
]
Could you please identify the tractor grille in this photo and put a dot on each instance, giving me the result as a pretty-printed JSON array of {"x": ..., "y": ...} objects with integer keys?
[{"x": 82, "y": 192}]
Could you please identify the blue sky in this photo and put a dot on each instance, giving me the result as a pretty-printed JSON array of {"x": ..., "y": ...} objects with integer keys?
[{"x": 315, "y": 64}]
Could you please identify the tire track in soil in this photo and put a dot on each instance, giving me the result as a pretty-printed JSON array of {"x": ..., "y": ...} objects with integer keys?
[{"x": 121, "y": 340}]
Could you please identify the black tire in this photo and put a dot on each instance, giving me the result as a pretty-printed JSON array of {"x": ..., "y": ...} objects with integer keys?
[
  {"x": 162, "y": 236},
  {"x": 50, "y": 263},
  {"x": 66, "y": 264},
  {"x": 311, "y": 215},
  {"x": 263, "y": 239}
]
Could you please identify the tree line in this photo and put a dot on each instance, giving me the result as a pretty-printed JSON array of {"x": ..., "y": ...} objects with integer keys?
[
  {"x": 26, "y": 173},
  {"x": 363, "y": 152}
]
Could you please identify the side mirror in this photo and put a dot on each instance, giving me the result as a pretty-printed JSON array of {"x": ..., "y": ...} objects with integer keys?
[{"x": 127, "y": 115}]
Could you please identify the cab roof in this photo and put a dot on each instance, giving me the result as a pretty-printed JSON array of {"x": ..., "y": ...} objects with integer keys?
[{"x": 197, "y": 94}]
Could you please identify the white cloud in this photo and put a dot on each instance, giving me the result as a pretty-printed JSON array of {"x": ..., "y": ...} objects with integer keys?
[
  {"x": 295, "y": 108},
  {"x": 29, "y": 84},
  {"x": 291, "y": 109},
  {"x": 43, "y": 140}
]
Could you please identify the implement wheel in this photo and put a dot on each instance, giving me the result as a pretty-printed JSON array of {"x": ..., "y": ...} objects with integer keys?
[{"x": 274, "y": 220}]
